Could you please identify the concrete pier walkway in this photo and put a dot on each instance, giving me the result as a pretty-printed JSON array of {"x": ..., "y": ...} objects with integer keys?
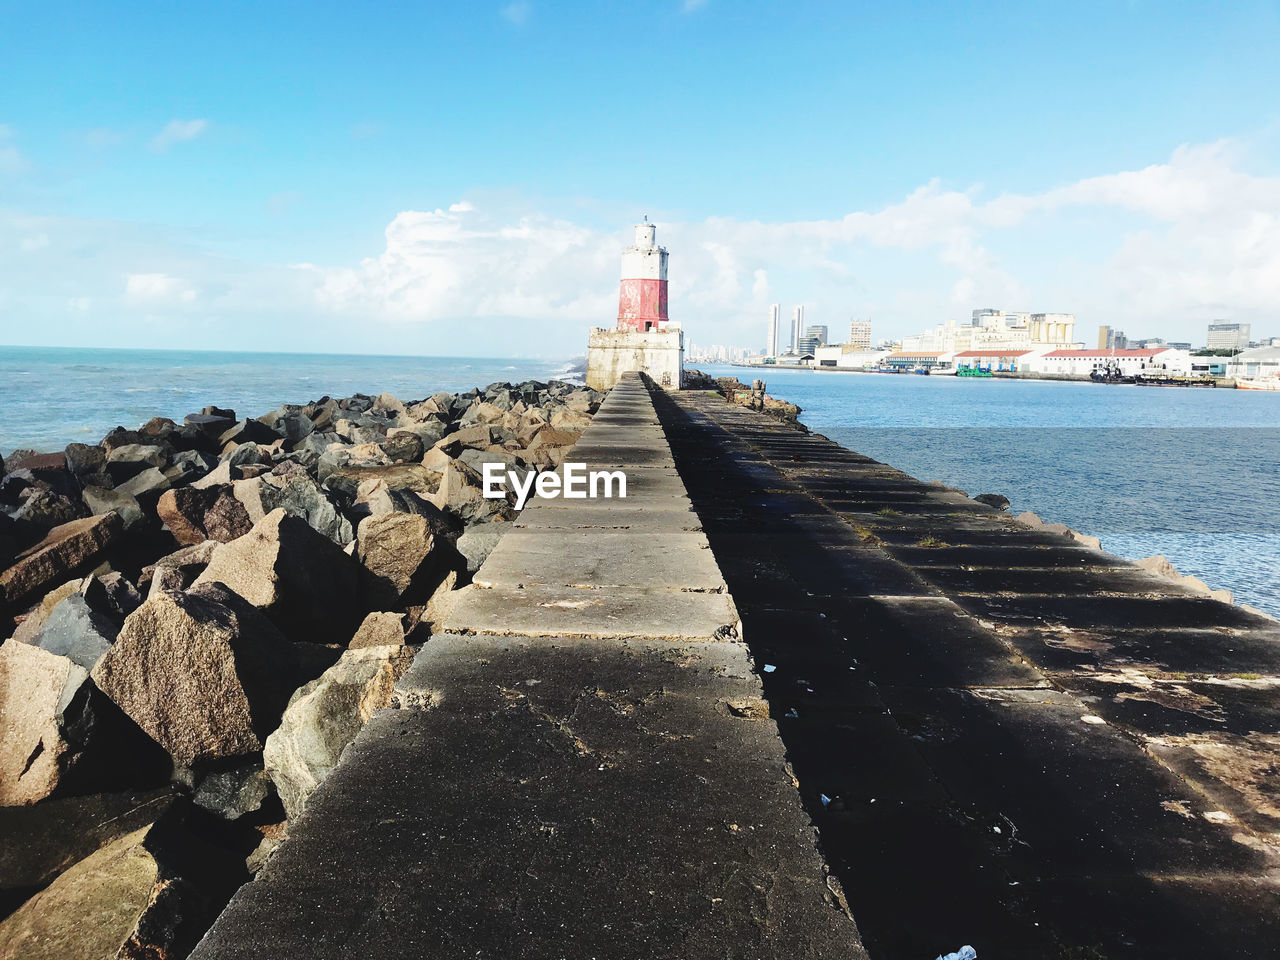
[
  {"x": 1006, "y": 739},
  {"x": 582, "y": 766}
]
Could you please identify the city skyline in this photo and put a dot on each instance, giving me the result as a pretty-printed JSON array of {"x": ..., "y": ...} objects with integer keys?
[{"x": 228, "y": 189}]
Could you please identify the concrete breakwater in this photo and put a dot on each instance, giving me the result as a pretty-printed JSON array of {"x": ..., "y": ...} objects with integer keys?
[
  {"x": 581, "y": 765},
  {"x": 619, "y": 736},
  {"x": 1006, "y": 738}
]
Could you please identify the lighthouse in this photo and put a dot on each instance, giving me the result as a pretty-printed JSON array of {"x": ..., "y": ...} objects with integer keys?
[
  {"x": 642, "y": 296},
  {"x": 644, "y": 338}
]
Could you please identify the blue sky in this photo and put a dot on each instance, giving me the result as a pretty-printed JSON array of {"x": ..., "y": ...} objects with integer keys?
[{"x": 458, "y": 178}]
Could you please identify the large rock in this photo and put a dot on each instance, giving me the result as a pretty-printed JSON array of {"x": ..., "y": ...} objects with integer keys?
[
  {"x": 375, "y": 497},
  {"x": 190, "y": 466},
  {"x": 300, "y": 496},
  {"x": 32, "y": 622},
  {"x": 403, "y": 557},
  {"x": 325, "y": 715},
  {"x": 477, "y": 435},
  {"x": 43, "y": 508},
  {"x": 202, "y": 672},
  {"x": 148, "y": 895},
  {"x": 461, "y": 494},
  {"x": 102, "y": 500},
  {"x": 178, "y": 571},
  {"x": 1160, "y": 566},
  {"x": 997, "y": 500},
  {"x": 58, "y": 734},
  {"x": 380, "y": 629},
  {"x": 78, "y": 632},
  {"x": 211, "y": 424},
  {"x": 289, "y": 422},
  {"x": 478, "y": 542},
  {"x": 152, "y": 455},
  {"x": 249, "y": 431},
  {"x": 429, "y": 431},
  {"x": 403, "y": 447},
  {"x": 299, "y": 578},
  {"x": 346, "y": 479},
  {"x": 237, "y": 792},
  {"x": 112, "y": 594},
  {"x": 84, "y": 460},
  {"x": 65, "y": 550},
  {"x": 211, "y": 513},
  {"x": 359, "y": 431},
  {"x": 58, "y": 833},
  {"x": 146, "y": 486}
]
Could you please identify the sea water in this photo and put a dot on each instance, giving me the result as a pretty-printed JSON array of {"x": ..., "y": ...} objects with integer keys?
[
  {"x": 50, "y": 397},
  {"x": 1190, "y": 473}
]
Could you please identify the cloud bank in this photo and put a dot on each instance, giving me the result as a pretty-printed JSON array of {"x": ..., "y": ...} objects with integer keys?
[{"x": 1159, "y": 250}]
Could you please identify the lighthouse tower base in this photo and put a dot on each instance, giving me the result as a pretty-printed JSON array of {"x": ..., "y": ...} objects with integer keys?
[{"x": 659, "y": 353}]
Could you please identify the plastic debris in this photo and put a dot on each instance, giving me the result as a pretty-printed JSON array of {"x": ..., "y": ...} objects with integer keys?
[
  {"x": 769, "y": 668},
  {"x": 964, "y": 953},
  {"x": 824, "y": 798}
]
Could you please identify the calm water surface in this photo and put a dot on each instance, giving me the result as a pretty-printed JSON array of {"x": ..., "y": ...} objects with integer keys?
[
  {"x": 50, "y": 397},
  {"x": 1193, "y": 474}
]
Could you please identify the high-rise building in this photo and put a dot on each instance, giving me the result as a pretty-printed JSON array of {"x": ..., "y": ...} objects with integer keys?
[
  {"x": 860, "y": 334},
  {"x": 1227, "y": 336},
  {"x": 814, "y": 337},
  {"x": 1109, "y": 338},
  {"x": 797, "y": 324},
  {"x": 775, "y": 318}
]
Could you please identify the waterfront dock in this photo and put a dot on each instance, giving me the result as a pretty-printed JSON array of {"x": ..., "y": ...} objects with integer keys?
[{"x": 635, "y": 716}]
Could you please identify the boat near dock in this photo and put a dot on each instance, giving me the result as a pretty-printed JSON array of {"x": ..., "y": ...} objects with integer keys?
[{"x": 1258, "y": 383}]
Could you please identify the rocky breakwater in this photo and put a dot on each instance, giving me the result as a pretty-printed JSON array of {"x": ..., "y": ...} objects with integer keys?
[
  {"x": 198, "y": 617},
  {"x": 752, "y": 396}
]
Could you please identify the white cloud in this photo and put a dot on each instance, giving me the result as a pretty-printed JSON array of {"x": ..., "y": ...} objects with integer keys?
[
  {"x": 37, "y": 241},
  {"x": 517, "y": 13},
  {"x": 1164, "y": 248},
  {"x": 178, "y": 131},
  {"x": 689, "y": 6},
  {"x": 158, "y": 286}
]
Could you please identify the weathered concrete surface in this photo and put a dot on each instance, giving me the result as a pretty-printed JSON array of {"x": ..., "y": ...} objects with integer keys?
[
  {"x": 603, "y": 558},
  {"x": 1005, "y": 738},
  {"x": 573, "y": 612},
  {"x": 581, "y": 765},
  {"x": 583, "y": 799}
]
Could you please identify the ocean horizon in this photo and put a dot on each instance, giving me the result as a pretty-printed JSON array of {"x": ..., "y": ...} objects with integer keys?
[{"x": 52, "y": 396}]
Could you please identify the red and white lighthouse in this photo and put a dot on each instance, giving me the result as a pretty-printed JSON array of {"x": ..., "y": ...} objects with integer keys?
[
  {"x": 644, "y": 339},
  {"x": 642, "y": 295}
]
